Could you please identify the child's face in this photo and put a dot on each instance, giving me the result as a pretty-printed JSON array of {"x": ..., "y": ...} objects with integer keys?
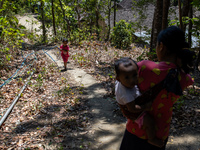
[
  {"x": 128, "y": 75},
  {"x": 65, "y": 43}
]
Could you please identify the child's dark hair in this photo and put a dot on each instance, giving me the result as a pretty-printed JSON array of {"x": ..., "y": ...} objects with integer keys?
[
  {"x": 174, "y": 39},
  {"x": 65, "y": 40},
  {"x": 126, "y": 61}
]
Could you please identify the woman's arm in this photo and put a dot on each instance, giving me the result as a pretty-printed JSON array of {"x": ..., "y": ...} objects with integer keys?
[
  {"x": 149, "y": 95},
  {"x": 134, "y": 108},
  {"x": 141, "y": 103}
]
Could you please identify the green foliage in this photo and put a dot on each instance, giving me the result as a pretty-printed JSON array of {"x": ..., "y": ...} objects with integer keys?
[
  {"x": 39, "y": 81},
  {"x": 180, "y": 102},
  {"x": 141, "y": 7},
  {"x": 11, "y": 32},
  {"x": 152, "y": 55},
  {"x": 121, "y": 35},
  {"x": 79, "y": 35},
  {"x": 196, "y": 3}
]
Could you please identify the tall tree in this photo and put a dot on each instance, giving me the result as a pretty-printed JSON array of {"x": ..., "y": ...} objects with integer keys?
[
  {"x": 53, "y": 15},
  {"x": 97, "y": 15},
  {"x": 190, "y": 25},
  {"x": 2, "y": 1},
  {"x": 166, "y": 4},
  {"x": 65, "y": 20},
  {"x": 157, "y": 23},
  {"x": 185, "y": 11},
  {"x": 109, "y": 25},
  {"x": 77, "y": 9},
  {"x": 43, "y": 22},
  {"x": 115, "y": 8},
  {"x": 180, "y": 14}
]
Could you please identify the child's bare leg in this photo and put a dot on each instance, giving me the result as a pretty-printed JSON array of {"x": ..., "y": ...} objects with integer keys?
[
  {"x": 65, "y": 65},
  {"x": 151, "y": 131}
]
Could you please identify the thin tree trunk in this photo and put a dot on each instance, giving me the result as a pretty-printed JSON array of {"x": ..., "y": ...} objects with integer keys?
[
  {"x": 65, "y": 19},
  {"x": 43, "y": 23},
  {"x": 97, "y": 22},
  {"x": 190, "y": 25},
  {"x": 185, "y": 11},
  {"x": 180, "y": 16},
  {"x": 91, "y": 23},
  {"x": 1, "y": 7},
  {"x": 152, "y": 31},
  {"x": 114, "y": 12},
  {"x": 78, "y": 15},
  {"x": 1, "y": 4},
  {"x": 166, "y": 4},
  {"x": 77, "y": 7},
  {"x": 53, "y": 15},
  {"x": 157, "y": 22},
  {"x": 109, "y": 12},
  {"x": 197, "y": 60}
]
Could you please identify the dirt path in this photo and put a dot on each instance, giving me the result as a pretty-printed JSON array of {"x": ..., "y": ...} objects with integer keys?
[{"x": 106, "y": 127}]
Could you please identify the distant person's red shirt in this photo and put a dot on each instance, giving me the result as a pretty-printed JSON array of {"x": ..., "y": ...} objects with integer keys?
[
  {"x": 65, "y": 48},
  {"x": 65, "y": 53}
]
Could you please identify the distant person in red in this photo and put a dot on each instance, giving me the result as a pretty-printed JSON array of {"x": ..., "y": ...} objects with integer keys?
[{"x": 64, "y": 48}]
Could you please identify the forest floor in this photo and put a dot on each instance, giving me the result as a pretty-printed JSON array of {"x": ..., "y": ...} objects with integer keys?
[{"x": 76, "y": 109}]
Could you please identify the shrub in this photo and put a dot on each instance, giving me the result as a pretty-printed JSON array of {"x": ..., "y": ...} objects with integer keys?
[{"x": 121, "y": 35}]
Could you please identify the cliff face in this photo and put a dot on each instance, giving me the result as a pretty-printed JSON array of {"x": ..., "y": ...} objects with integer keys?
[{"x": 127, "y": 12}]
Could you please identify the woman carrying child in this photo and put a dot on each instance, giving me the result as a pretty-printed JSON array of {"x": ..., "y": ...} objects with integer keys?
[
  {"x": 171, "y": 56},
  {"x": 127, "y": 92}
]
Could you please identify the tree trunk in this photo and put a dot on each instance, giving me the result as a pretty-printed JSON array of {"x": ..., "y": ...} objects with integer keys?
[
  {"x": 185, "y": 11},
  {"x": 53, "y": 15},
  {"x": 166, "y": 4},
  {"x": 2, "y": 1},
  {"x": 109, "y": 12},
  {"x": 157, "y": 23},
  {"x": 197, "y": 60},
  {"x": 97, "y": 22},
  {"x": 190, "y": 25},
  {"x": 180, "y": 16},
  {"x": 43, "y": 23},
  {"x": 65, "y": 19},
  {"x": 114, "y": 12},
  {"x": 91, "y": 24},
  {"x": 78, "y": 15},
  {"x": 1, "y": 7},
  {"x": 152, "y": 31}
]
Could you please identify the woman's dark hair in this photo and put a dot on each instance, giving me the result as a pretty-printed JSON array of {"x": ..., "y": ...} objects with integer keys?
[
  {"x": 187, "y": 58},
  {"x": 124, "y": 60},
  {"x": 174, "y": 39},
  {"x": 65, "y": 40}
]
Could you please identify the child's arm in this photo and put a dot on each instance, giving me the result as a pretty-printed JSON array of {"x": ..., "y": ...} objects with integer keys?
[{"x": 59, "y": 48}]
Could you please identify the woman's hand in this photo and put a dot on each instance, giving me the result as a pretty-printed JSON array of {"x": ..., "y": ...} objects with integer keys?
[
  {"x": 127, "y": 113},
  {"x": 148, "y": 106}
]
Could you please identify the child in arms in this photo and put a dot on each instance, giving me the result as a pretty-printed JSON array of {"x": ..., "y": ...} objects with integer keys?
[{"x": 126, "y": 92}]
